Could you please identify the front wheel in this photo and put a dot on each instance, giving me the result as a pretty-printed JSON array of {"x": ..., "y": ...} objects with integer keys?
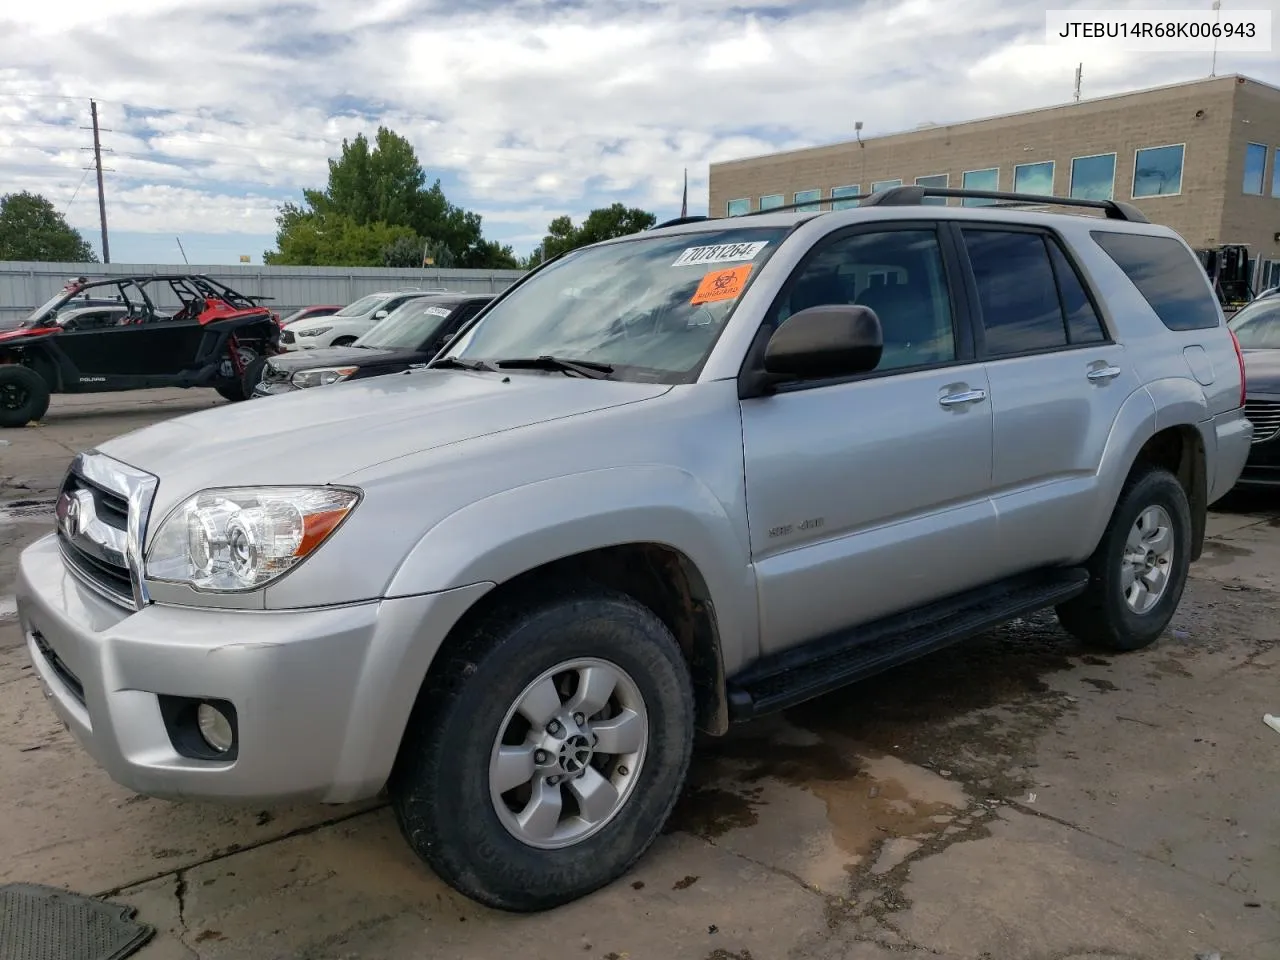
[
  {"x": 544, "y": 758},
  {"x": 24, "y": 395},
  {"x": 1139, "y": 570},
  {"x": 343, "y": 342}
]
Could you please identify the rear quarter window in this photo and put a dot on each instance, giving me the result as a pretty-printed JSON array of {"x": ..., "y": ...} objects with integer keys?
[{"x": 1167, "y": 275}]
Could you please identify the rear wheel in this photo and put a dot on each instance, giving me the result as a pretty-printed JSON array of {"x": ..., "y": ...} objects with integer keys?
[
  {"x": 542, "y": 761},
  {"x": 1139, "y": 570},
  {"x": 230, "y": 385},
  {"x": 24, "y": 395}
]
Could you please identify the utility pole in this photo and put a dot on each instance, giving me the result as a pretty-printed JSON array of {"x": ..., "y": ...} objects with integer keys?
[
  {"x": 97, "y": 163},
  {"x": 1079, "y": 76}
]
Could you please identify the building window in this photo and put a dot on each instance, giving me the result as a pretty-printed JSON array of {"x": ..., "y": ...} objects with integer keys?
[
  {"x": 849, "y": 191},
  {"x": 988, "y": 179},
  {"x": 771, "y": 201},
  {"x": 1034, "y": 178},
  {"x": 879, "y": 185},
  {"x": 936, "y": 180},
  {"x": 1157, "y": 171},
  {"x": 736, "y": 208},
  {"x": 1255, "y": 165},
  {"x": 1094, "y": 178},
  {"x": 808, "y": 197},
  {"x": 1275, "y": 174}
]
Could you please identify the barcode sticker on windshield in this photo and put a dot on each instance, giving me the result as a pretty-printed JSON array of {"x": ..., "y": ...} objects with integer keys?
[
  {"x": 720, "y": 253},
  {"x": 438, "y": 311}
]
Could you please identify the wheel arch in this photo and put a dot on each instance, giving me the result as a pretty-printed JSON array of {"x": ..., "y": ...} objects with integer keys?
[
  {"x": 1159, "y": 426},
  {"x": 652, "y": 532}
]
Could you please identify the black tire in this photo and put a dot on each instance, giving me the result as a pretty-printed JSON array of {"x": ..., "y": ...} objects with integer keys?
[
  {"x": 1101, "y": 616},
  {"x": 343, "y": 342},
  {"x": 252, "y": 375},
  {"x": 440, "y": 788},
  {"x": 24, "y": 395},
  {"x": 236, "y": 390}
]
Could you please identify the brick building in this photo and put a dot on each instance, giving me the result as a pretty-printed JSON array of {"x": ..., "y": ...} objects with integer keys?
[{"x": 1201, "y": 157}]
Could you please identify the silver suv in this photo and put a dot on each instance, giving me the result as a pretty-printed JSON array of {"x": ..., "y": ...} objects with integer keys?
[{"x": 663, "y": 483}]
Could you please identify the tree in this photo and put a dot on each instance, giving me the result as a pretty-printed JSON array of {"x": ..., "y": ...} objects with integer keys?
[
  {"x": 32, "y": 229},
  {"x": 383, "y": 186},
  {"x": 604, "y": 223}
]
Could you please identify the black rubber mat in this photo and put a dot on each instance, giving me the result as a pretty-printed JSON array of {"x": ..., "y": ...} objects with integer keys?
[{"x": 45, "y": 923}]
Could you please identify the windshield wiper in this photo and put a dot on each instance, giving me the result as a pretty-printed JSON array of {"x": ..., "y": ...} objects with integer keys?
[
  {"x": 457, "y": 364},
  {"x": 584, "y": 368}
]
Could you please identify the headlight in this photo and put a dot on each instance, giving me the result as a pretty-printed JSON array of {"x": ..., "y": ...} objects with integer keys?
[
  {"x": 321, "y": 376},
  {"x": 313, "y": 332},
  {"x": 241, "y": 538}
]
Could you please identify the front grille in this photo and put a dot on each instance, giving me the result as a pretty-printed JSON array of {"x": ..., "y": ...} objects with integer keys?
[
  {"x": 93, "y": 524},
  {"x": 63, "y": 672},
  {"x": 273, "y": 374},
  {"x": 286, "y": 336},
  {"x": 1265, "y": 416}
]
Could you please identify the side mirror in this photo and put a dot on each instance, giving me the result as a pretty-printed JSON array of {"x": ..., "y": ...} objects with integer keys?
[
  {"x": 380, "y": 315},
  {"x": 838, "y": 340}
]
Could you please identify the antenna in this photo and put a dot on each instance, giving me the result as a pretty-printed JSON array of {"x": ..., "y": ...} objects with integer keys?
[
  {"x": 1079, "y": 75},
  {"x": 1213, "y": 70},
  {"x": 183, "y": 252}
]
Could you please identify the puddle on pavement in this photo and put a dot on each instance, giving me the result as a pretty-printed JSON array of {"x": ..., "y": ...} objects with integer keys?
[
  {"x": 891, "y": 769},
  {"x": 14, "y": 512},
  {"x": 1218, "y": 553}
]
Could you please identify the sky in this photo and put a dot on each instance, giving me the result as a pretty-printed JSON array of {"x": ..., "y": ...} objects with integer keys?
[{"x": 217, "y": 111}]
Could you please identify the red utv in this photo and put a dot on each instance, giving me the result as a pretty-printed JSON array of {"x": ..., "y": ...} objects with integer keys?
[{"x": 99, "y": 336}]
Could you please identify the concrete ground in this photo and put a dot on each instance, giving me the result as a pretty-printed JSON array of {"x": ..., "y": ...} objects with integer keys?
[{"x": 1015, "y": 798}]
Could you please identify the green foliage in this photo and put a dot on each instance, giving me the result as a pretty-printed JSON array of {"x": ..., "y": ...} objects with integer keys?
[
  {"x": 375, "y": 193},
  {"x": 32, "y": 229},
  {"x": 604, "y": 223}
]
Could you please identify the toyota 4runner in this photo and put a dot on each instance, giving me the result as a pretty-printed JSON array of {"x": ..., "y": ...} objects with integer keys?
[{"x": 663, "y": 483}]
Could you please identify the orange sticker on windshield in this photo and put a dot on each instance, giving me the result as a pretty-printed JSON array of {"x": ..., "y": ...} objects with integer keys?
[{"x": 722, "y": 284}]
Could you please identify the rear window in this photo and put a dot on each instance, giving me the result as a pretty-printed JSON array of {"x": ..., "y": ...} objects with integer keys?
[{"x": 1167, "y": 275}]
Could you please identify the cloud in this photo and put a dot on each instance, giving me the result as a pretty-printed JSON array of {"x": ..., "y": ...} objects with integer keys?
[{"x": 218, "y": 110}]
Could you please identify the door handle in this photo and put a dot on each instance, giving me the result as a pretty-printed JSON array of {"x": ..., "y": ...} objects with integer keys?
[
  {"x": 1103, "y": 374},
  {"x": 968, "y": 396}
]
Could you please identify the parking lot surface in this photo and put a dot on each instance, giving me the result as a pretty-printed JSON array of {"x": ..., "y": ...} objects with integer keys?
[{"x": 1013, "y": 798}]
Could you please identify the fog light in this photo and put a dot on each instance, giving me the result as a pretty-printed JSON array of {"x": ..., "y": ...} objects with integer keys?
[{"x": 215, "y": 728}]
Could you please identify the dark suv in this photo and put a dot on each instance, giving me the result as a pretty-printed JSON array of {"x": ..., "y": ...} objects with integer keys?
[{"x": 411, "y": 335}]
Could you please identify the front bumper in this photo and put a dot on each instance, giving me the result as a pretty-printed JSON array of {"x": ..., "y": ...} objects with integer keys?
[
  {"x": 321, "y": 695},
  {"x": 275, "y": 388}
]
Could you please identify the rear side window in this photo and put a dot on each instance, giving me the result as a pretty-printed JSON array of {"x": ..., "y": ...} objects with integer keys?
[
  {"x": 1167, "y": 275},
  {"x": 1016, "y": 290},
  {"x": 1083, "y": 325}
]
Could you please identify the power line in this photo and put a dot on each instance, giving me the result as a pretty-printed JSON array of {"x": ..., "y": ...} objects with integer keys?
[{"x": 87, "y": 171}]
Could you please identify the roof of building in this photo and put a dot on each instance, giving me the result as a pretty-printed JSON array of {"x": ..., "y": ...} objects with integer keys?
[{"x": 926, "y": 129}]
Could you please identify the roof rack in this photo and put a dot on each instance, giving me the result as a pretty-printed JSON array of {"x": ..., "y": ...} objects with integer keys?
[
  {"x": 678, "y": 221},
  {"x": 914, "y": 196}
]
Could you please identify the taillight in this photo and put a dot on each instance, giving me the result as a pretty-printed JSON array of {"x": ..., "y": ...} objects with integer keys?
[{"x": 1240, "y": 360}]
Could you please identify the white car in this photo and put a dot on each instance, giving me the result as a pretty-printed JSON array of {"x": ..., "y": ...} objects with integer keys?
[{"x": 348, "y": 324}]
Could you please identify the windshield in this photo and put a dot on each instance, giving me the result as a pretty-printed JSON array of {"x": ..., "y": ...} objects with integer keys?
[
  {"x": 409, "y": 327},
  {"x": 1257, "y": 326},
  {"x": 35, "y": 317},
  {"x": 361, "y": 306},
  {"x": 651, "y": 308}
]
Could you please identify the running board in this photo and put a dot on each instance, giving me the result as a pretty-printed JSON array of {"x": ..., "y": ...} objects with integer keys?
[{"x": 784, "y": 679}]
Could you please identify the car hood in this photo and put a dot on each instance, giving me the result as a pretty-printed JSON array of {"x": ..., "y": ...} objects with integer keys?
[
  {"x": 326, "y": 357},
  {"x": 322, "y": 435},
  {"x": 1262, "y": 371}
]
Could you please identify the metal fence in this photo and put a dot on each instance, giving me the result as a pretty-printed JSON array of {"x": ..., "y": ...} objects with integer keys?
[{"x": 24, "y": 286}]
